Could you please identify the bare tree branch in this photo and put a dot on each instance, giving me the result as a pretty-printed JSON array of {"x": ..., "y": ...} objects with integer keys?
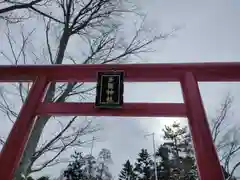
[
  {"x": 221, "y": 117},
  {"x": 233, "y": 170},
  {"x": 67, "y": 141},
  {"x": 12, "y": 6},
  {"x": 47, "y": 26},
  {"x": 6, "y": 108},
  {"x": 226, "y": 139},
  {"x": 46, "y": 15},
  {"x": 95, "y": 23},
  {"x": 2, "y": 142},
  {"x": 18, "y": 6},
  {"x": 51, "y": 142}
]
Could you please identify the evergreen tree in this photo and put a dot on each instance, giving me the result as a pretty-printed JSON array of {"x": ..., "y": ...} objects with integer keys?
[
  {"x": 163, "y": 165},
  {"x": 44, "y": 178},
  {"x": 127, "y": 172},
  {"x": 30, "y": 178},
  {"x": 88, "y": 167},
  {"x": 41, "y": 178},
  {"x": 102, "y": 170},
  {"x": 175, "y": 159},
  {"x": 181, "y": 162},
  {"x": 76, "y": 169},
  {"x": 144, "y": 168}
]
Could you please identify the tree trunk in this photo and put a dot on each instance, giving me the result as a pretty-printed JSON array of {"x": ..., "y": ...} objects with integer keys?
[{"x": 26, "y": 161}]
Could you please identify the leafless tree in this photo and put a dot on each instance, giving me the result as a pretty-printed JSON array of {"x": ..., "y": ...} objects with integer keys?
[
  {"x": 226, "y": 137},
  {"x": 96, "y": 24}
]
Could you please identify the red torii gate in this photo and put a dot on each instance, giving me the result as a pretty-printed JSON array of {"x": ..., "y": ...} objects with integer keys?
[{"x": 187, "y": 74}]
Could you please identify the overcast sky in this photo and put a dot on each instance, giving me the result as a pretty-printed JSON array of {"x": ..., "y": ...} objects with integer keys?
[{"x": 209, "y": 32}]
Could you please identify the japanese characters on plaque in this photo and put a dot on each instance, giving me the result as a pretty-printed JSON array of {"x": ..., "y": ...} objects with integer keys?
[{"x": 109, "y": 89}]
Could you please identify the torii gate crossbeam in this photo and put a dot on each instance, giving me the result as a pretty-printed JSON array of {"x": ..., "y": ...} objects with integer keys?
[{"x": 187, "y": 74}]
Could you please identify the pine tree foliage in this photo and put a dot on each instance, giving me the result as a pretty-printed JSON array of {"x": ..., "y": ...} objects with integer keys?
[
  {"x": 76, "y": 170},
  {"x": 181, "y": 162},
  {"x": 40, "y": 178},
  {"x": 88, "y": 167},
  {"x": 144, "y": 166},
  {"x": 163, "y": 164},
  {"x": 127, "y": 173},
  {"x": 44, "y": 178}
]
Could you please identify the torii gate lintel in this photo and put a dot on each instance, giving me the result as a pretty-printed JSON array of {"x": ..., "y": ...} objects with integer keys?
[{"x": 187, "y": 74}]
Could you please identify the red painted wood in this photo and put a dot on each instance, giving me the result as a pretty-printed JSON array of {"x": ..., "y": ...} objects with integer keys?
[
  {"x": 14, "y": 146},
  {"x": 128, "y": 109},
  {"x": 207, "y": 159},
  {"x": 149, "y": 72}
]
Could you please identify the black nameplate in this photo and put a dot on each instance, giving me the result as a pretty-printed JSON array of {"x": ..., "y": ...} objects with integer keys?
[{"x": 109, "y": 89}]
